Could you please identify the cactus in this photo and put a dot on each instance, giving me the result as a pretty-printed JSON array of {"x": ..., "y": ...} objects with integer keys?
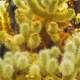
[
  {"x": 34, "y": 46},
  {"x": 44, "y": 19},
  {"x": 46, "y": 65}
]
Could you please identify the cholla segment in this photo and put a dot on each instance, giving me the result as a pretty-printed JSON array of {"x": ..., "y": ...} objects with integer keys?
[
  {"x": 37, "y": 17},
  {"x": 29, "y": 58},
  {"x": 45, "y": 64}
]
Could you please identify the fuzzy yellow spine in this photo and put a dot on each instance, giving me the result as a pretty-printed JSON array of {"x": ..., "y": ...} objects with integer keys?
[
  {"x": 71, "y": 51},
  {"x": 4, "y": 16},
  {"x": 78, "y": 18},
  {"x": 8, "y": 41},
  {"x": 46, "y": 62},
  {"x": 58, "y": 16},
  {"x": 20, "y": 3},
  {"x": 34, "y": 73},
  {"x": 53, "y": 31},
  {"x": 34, "y": 41}
]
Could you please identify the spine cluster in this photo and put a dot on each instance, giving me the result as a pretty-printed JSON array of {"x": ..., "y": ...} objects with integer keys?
[
  {"x": 30, "y": 55},
  {"x": 44, "y": 65}
]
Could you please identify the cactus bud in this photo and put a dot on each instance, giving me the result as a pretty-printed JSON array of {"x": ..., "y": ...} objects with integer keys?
[
  {"x": 25, "y": 29},
  {"x": 51, "y": 66},
  {"x": 7, "y": 71},
  {"x": 35, "y": 72},
  {"x": 34, "y": 41},
  {"x": 55, "y": 52},
  {"x": 19, "y": 39},
  {"x": 52, "y": 28},
  {"x": 21, "y": 61},
  {"x": 70, "y": 46},
  {"x": 67, "y": 67},
  {"x": 44, "y": 56},
  {"x": 36, "y": 27}
]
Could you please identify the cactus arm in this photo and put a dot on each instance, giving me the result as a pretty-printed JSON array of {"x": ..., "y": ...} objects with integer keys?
[
  {"x": 53, "y": 7},
  {"x": 58, "y": 17},
  {"x": 71, "y": 77},
  {"x": 36, "y": 8},
  {"x": 20, "y": 3},
  {"x": 66, "y": 15}
]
